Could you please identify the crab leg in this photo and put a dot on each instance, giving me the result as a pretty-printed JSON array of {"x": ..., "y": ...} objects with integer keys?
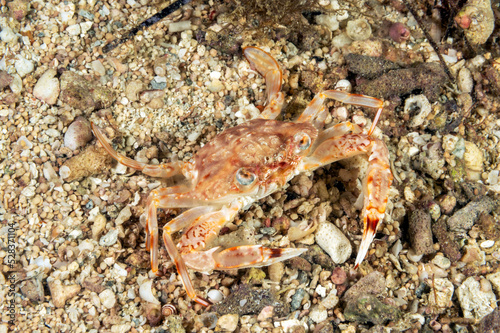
[
  {"x": 315, "y": 108},
  {"x": 253, "y": 256},
  {"x": 162, "y": 170},
  {"x": 376, "y": 184},
  {"x": 266, "y": 65}
]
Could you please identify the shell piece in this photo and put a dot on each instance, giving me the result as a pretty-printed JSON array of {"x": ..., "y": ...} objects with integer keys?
[
  {"x": 359, "y": 29},
  {"x": 420, "y": 104},
  {"x": 477, "y": 20},
  {"x": 146, "y": 293}
]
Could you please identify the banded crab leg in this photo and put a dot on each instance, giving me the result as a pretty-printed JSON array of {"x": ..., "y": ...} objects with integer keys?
[
  {"x": 315, "y": 111},
  {"x": 162, "y": 170},
  {"x": 268, "y": 67}
]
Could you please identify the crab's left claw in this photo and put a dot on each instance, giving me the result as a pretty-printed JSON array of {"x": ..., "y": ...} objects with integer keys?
[{"x": 266, "y": 65}]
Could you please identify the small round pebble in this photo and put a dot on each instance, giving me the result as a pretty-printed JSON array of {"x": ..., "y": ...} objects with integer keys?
[
  {"x": 215, "y": 295},
  {"x": 78, "y": 134},
  {"x": 108, "y": 298}
]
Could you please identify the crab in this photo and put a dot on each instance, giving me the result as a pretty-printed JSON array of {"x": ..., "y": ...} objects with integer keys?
[{"x": 250, "y": 161}]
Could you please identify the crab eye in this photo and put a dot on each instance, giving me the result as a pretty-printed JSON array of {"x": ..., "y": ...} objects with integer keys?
[
  {"x": 303, "y": 140},
  {"x": 245, "y": 177}
]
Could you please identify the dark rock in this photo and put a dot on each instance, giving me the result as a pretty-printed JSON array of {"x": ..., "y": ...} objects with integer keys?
[
  {"x": 245, "y": 301},
  {"x": 427, "y": 77},
  {"x": 372, "y": 284},
  {"x": 32, "y": 289},
  {"x": 368, "y": 309},
  {"x": 297, "y": 299},
  {"x": 368, "y": 67},
  {"x": 324, "y": 327},
  {"x": 5, "y": 80},
  {"x": 474, "y": 190},
  {"x": 465, "y": 218},
  {"x": 300, "y": 263},
  {"x": 420, "y": 232},
  {"x": 316, "y": 255},
  {"x": 94, "y": 284},
  {"x": 489, "y": 227},
  {"x": 447, "y": 244},
  {"x": 490, "y": 323}
]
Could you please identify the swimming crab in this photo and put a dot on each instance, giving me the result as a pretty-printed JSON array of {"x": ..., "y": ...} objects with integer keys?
[{"x": 250, "y": 161}]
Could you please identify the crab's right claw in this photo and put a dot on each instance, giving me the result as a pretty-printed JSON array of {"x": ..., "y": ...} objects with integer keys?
[{"x": 376, "y": 189}]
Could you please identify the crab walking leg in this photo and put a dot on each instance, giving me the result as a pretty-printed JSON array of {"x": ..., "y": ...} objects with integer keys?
[
  {"x": 253, "y": 256},
  {"x": 267, "y": 66},
  {"x": 315, "y": 107},
  {"x": 376, "y": 184},
  {"x": 162, "y": 170}
]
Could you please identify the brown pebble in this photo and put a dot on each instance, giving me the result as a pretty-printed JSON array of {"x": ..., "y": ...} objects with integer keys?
[
  {"x": 89, "y": 162},
  {"x": 420, "y": 232},
  {"x": 61, "y": 293},
  {"x": 339, "y": 276}
]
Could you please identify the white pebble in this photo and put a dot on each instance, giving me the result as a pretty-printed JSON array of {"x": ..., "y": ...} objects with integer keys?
[
  {"x": 329, "y": 21},
  {"x": 119, "y": 270},
  {"x": 179, "y": 26},
  {"x": 475, "y": 300},
  {"x": 109, "y": 239},
  {"x": 47, "y": 87},
  {"x": 464, "y": 81},
  {"x": 420, "y": 104},
  {"x": 146, "y": 293},
  {"x": 64, "y": 172},
  {"x": 73, "y": 29},
  {"x": 318, "y": 314},
  {"x": 123, "y": 216},
  {"x": 7, "y": 35},
  {"x": 107, "y": 298},
  {"x": 98, "y": 67},
  {"x": 215, "y": 295},
  {"x": 16, "y": 85},
  {"x": 487, "y": 244},
  {"x": 228, "y": 323},
  {"x": 85, "y": 26},
  {"x": 341, "y": 40},
  {"x": 333, "y": 242},
  {"x": 359, "y": 29},
  {"x": 23, "y": 66},
  {"x": 493, "y": 177}
]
